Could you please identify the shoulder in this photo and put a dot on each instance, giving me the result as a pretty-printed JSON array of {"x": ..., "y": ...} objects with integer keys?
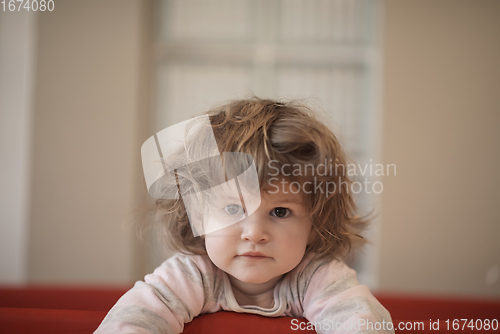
[
  {"x": 192, "y": 267},
  {"x": 333, "y": 292},
  {"x": 180, "y": 260},
  {"x": 320, "y": 268},
  {"x": 319, "y": 277},
  {"x": 313, "y": 274}
]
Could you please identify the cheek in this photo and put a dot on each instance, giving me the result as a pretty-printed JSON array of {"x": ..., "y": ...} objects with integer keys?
[
  {"x": 217, "y": 248},
  {"x": 295, "y": 242},
  {"x": 211, "y": 245},
  {"x": 293, "y": 252},
  {"x": 303, "y": 232}
]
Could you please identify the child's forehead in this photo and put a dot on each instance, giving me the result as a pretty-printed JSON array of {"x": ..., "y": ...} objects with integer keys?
[{"x": 284, "y": 194}]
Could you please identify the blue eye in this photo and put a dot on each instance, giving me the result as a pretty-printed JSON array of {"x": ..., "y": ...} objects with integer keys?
[
  {"x": 234, "y": 209},
  {"x": 280, "y": 212}
]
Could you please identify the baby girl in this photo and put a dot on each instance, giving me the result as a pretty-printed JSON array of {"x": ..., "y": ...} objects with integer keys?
[{"x": 261, "y": 224}]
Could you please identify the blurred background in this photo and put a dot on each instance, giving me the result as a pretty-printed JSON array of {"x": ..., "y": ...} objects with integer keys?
[{"x": 414, "y": 83}]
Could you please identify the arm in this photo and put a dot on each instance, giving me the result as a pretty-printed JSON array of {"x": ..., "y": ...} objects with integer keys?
[
  {"x": 338, "y": 303},
  {"x": 173, "y": 295}
]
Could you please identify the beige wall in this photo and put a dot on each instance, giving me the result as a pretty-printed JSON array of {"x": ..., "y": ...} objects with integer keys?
[
  {"x": 441, "y": 222},
  {"x": 89, "y": 121}
]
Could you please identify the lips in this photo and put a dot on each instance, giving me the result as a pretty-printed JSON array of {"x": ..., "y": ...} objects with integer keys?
[{"x": 254, "y": 255}]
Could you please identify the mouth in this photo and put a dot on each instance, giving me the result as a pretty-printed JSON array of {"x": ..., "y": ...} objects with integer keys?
[{"x": 254, "y": 255}]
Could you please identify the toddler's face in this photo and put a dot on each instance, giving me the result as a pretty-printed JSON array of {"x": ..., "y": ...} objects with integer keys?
[{"x": 267, "y": 244}]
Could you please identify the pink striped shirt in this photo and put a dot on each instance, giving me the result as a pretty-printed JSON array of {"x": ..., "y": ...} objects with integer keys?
[{"x": 324, "y": 291}]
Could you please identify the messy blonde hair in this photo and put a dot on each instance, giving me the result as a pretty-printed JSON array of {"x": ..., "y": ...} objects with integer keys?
[{"x": 289, "y": 135}]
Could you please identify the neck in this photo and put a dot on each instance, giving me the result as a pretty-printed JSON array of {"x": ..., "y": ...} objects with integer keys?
[{"x": 254, "y": 294}]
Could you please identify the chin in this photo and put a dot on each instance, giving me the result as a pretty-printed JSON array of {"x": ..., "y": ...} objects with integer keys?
[{"x": 254, "y": 279}]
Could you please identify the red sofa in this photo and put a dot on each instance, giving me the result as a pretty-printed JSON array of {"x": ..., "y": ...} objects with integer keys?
[{"x": 80, "y": 310}]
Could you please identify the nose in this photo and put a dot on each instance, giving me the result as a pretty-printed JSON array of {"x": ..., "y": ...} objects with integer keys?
[{"x": 255, "y": 229}]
